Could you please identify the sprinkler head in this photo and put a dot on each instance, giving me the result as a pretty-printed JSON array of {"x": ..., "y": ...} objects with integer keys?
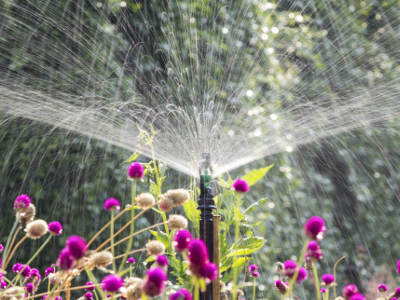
[{"x": 205, "y": 171}]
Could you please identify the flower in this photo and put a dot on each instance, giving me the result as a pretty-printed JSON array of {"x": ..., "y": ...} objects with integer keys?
[
  {"x": 35, "y": 274},
  {"x": 328, "y": 279},
  {"x": 241, "y": 186},
  {"x": 145, "y": 200},
  {"x": 65, "y": 260},
  {"x": 112, "y": 283},
  {"x": 302, "y": 275},
  {"x": 3, "y": 285},
  {"x": 88, "y": 296},
  {"x": 21, "y": 203},
  {"x": 76, "y": 246},
  {"x": 1, "y": 247},
  {"x": 133, "y": 288},
  {"x": 165, "y": 203},
  {"x": 255, "y": 274},
  {"x": 155, "y": 282},
  {"x": 49, "y": 270},
  {"x": 36, "y": 229},
  {"x": 55, "y": 228},
  {"x": 29, "y": 287},
  {"x": 17, "y": 267},
  {"x": 315, "y": 228},
  {"x": 27, "y": 215},
  {"x": 181, "y": 294},
  {"x": 357, "y": 297},
  {"x": 135, "y": 171},
  {"x": 130, "y": 260},
  {"x": 253, "y": 268},
  {"x": 397, "y": 292},
  {"x": 349, "y": 290},
  {"x": 323, "y": 290},
  {"x": 198, "y": 252},
  {"x": 289, "y": 268},
  {"x": 162, "y": 260},
  {"x": 89, "y": 286},
  {"x": 382, "y": 288},
  {"x": 313, "y": 251},
  {"x": 281, "y": 286},
  {"x": 101, "y": 259},
  {"x": 398, "y": 266},
  {"x": 112, "y": 204},
  {"x": 26, "y": 271},
  {"x": 182, "y": 239},
  {"x": 178, "y": 196},
  {"x": 209, "y": 271},
  {"x": 176, "y": 222},
  {"x": 155, "y": 248}
]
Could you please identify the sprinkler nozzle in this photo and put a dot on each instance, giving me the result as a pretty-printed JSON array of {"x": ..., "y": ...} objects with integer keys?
[{"x": 205, "y": 170}]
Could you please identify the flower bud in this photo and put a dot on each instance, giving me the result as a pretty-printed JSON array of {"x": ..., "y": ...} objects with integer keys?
[
  {"x": 36, "y": 229},
  {"x": 101, "y": 259},
  {"x": 145, "y": 200},
  {"x": 155, "y": 248},
  {"x": 176, "y": 222}
]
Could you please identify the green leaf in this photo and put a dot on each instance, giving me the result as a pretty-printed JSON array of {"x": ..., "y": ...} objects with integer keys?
[
  {"x": 239, "y": 262},
  {"x": 192, "y": 213},
  {"x": 131, "y": 158},
  {"x": 255, "y": 175}
]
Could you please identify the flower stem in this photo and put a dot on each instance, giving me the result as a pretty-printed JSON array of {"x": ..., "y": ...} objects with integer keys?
[
  {"x": 196, "y": 291},
  {"x": 334, "y": 274},
  {"x": 300, "y": 263},
  {"x": 94, "y": 280},
  {"x": 316, "y": 278},
  {"x": 235, "y": 270},
  {"x": 13, "y": 251},
  {"x": 254, "y": 288},
  {"x": 14, "y": 227},
  {"x": 326, "y": 295},
  {"x": 112, "y": 238},
  {"x": 132, "y": 227}
]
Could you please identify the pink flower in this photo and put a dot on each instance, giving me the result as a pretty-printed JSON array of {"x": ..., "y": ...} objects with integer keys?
[
  {"x": 382, "y": 288},
  {"x": 22, "y": 202},
  {"x": 29, "y": 287},
  {"x": 49, "y": 270},
  {"x": 398, "y": 266},
  {"x": 130, "y": 260},
  {"x": 55, "y": 227},
  {"x": 182, "y": 239},
  {"x": 76, "y": 246},
  {"x": 209, "y": 271},
  {"x": 88, "y": 296},
  {"x": 89, "y": 286},
  {"x": 281, "y": 286},
  {"x": 315, "y": 228},
  {"x": 181, "y": 294},
  {"x": 313, "y": 251},
  {"x": 289, "y": 268},
  {"x": 65, "y": 260},
  {"x": 328, "y": 279},
  {"x": 162, "y": 260},
  {"x": 302, "y": 275},
  {"x": 135, "y": 171},
  {"x": 155, "y": 282},
  {"x": 112, "y": 283},
  {"x": 198, "y": 252},
  {"x": 357, "y": 297},
  {"x": 112, "y": 204},
  {"x": 241, "y": 186},
  {"x": 349, "y": 290}
]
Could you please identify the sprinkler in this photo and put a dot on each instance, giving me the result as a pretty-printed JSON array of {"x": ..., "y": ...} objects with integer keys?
[{"x": 206, "y": 206}]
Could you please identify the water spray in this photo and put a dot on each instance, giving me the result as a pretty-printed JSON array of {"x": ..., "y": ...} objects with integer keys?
[{"x": 208, "y": 222}]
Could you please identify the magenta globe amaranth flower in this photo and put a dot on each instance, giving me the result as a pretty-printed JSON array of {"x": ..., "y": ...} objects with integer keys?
[
  {"x": 182, "y": 239},
  {"x": 323, "y": 290},
  {"x": 328, "y": 279},
  {"x": 89, "y": 286},
  {"x": 313, "y": 251},
  {"x": 55, "y": 228},
  {"x": 135, "y": 171},
  {"x": 1, "y": 247},
  {"x": 76, "y": 246},
  {"x": 25, "y": 271},
  {"x": 182, "y": 294},
  {"x": 162, "y": 260},
  {"x": 301, "y": 276},
  {"x": 241, "y": 186},
  {"x": 65, "y": 260},
  {"x": 155, "y": 282},
  {"x": 253, "y": 268},
  {"x": 198, "y": 252},
  {"x": 112, "y": 204},
  {"x": 349, "y": 290},
  {"x": 209, "y": 271},
  {"x": 357, "y": 297},
  {"x": 3, "y": 285},
  {"x": 130, "y": 260},
  {"x": 289, "y": 268},
  {"x": 22, "y": 202},
  {"x": 397, "y": 292},
  {"x": 88, "y": 296},
  {"x": 281, "y": 286},
  {"x": 315, "y": 228},
  {"x": 382, "y": 288},
  {"x": 398, "y": 266},
  {"x": 112, "y": 283},
  {"x": 17, "y": 267},
  {"x": 29, "y": 287},
  {"x": 49, "y": 270}
]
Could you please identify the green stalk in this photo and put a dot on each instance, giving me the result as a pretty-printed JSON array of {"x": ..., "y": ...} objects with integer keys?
[
  {"x": 132, "y": 227},
  {"x": 316, "y": 279},
  {"x": 196, "y": 290},
  {"x": 326, "y": 296},
  {"x": 112, "y": 238},
  {"x": 254, "y": 288},
  {"x": 235, "y": 270},
  {"x": 14, "y": 227},
  {"x": 93, "y": 279},
  {"x": 300, "y": 263}
]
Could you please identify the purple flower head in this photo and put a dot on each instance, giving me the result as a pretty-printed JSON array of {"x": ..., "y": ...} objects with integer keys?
[
  {"x": 112, "y": 204},
  {"x": 76, "y": 246},
  {"x": 49, "y": 270},
  {"x": 281, "y": 286},
  {"x": 398, "y": 266},
  {"x": 162, "y": 260},
  {"x": 182, "y": 239},
  {"x": 357, "y": 297},
  {"x": 182, "y": 294},
  {"x": 57, "y": 298},
  {"x": 112, "y": 283},
  {"x": 88, "y": 296},
  {"x": 135, "y": 171},
  {"x": 313, "y": 251},
  {"x": 35, "y": 274},
  {"x": 1, "y": 262},
  {"x": 349, "y": 290},
  {"x": 22, "y": 202},
  {"x": 26, "y": 271},
  {"x": 302, "y": 275},
  {"x": 382, "y": 288},
  {"x": 1, "y": 247},
  {"x": 255, "y": 274},
  {"x": 397, "y": 292},
  {"x": 209, "y": 271},
  {"x": 29, "y": 287},
  {"x": 289, "y": 268},
  {"x": 253, "y": 268},
  {"x": 394, "y": 298},
  {"x": 3, "y": 285},
  {"x": 315, "y": 228},
  {"x": 241, "y": 186},
  {"x": 155, "y": 282},
  {"x": 130, "y": 260},
  {"x": 328, "y": 279},
  {"x": 65, "y": 260},
  {"x": 55, "y": 228},
  {"x": 89, "y": 286},
  {"x": 198, "y": 253},
  {"x": 17, "y": 267},
  {"x": 323, "y": 290}
]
